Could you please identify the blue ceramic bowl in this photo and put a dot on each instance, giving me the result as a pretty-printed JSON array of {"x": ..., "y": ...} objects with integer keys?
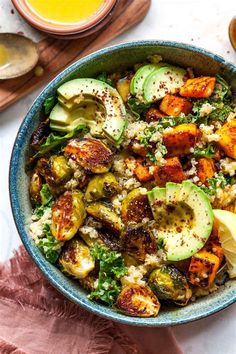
[{"x": 112, "y": 59}]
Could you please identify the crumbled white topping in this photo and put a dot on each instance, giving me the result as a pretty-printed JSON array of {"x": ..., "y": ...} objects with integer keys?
[
  {"x": 208, "y": 134},
  {"x": 193, "y": 169},
  {"x": 206, "y": 109},
  {"x": 36, "y": 227},
  {"x": 90, "y": 231},
  {"x": 228, "y": 165}
]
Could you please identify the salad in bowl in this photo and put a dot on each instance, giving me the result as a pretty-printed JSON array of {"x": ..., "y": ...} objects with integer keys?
[{"x": 132, "y": 185}]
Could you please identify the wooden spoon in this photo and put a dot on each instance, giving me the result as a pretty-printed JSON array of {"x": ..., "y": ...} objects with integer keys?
[
  {"x": 232, "y": 32},
  {"x": 18, "y": 55}
]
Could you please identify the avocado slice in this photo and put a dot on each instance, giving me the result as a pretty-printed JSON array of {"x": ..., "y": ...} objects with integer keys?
[
  {"x": 79, "y": 90},
  {"x": 136, "y": 85},
  {"x": 164, "y": 80},
  {"x": 157, "y": 201},
  {"x": 187, "y": 223}
]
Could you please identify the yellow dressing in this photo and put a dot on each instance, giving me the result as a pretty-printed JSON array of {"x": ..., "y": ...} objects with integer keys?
[
  {"x": 64, "y": 11},
  {"x": 3, "y": 55}
]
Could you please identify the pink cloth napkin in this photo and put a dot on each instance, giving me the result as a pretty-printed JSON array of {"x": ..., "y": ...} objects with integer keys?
[{"x": 36, "y": 319}]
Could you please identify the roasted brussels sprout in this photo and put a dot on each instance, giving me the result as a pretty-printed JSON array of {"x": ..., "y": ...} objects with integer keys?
[
  {"x": 138, "y": 241},
  {"x": 102, "y": 186},
  {"x": 55, "y": 170},
  {"x": 110, "y": 240},
  {"x": 68, "y": 214},
  {"x": 106, "y": 216},
  {"x": 76, "y": 260},
  {"x": 135, "y": 207},
  {"x": 139, "y": 301},
  {"x": 168, "y": 283},
  {"x": 92, "y": 154},
  {"x": 35, "y": 188}
]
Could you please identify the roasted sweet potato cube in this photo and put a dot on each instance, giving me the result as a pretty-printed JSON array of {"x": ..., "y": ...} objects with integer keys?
[
  {"x": 215, "y": 248},
  {"x": 227, "y": 141},
  {"x": 205, "y": 169},
  {"x": 203, "y": 268},
  {"x": 180, "y": 139},
  {"x": 200, "y": 87},
  {"x": 173, "y": 105},
  {"x": 153, "y": 114},
  {"x": 171, "y": 171},
  {"x": 142, "y": 171}
]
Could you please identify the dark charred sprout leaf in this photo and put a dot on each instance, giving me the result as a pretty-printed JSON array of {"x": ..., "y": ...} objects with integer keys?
[
  {"x": 105, "y": 78},
  {"x": 54, "y": 142},
  {"x": 45, "y": 194},
  {"x": 208, "y": 152},
  {"x": 49, "y": 246},
  {"x": 137, "y": 107},
  {"x": 112, "y": 268},
  {"x": 49, "y": 103},
  {"x": 221, "y": 181}
]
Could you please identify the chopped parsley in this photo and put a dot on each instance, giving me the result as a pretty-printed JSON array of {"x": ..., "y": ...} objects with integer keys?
[
  {"x": 112, "y": 268},
  {"x": 208, "y": 152},
  {"x": 221, "y": 181},
  {"x": 49, "y": 246}
]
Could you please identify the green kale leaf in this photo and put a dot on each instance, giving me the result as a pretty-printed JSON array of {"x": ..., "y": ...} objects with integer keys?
[
  {"x": 208, "y": 152},
  {"x": 49, "y": 103},
  {"x": 221, "y": 181},
  {"x": 112, "y": 268},
  {"x": 137, "y": 107},
  {"x": 105, "y": 78},
  {"x": 57, "y": 141},
  {"x": 49, "y": 246}
]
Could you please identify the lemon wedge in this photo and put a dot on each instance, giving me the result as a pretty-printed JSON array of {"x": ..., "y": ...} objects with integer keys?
[{"x": 227, "y": 235}]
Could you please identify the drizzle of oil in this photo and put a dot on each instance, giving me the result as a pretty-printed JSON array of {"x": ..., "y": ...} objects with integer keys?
[
  {"x": 4, "y": 55},
  {"x": 64, "y": 11}
]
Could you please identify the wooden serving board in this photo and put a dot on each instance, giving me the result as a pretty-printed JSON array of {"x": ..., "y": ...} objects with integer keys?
[{"x": 56, "y": 54}]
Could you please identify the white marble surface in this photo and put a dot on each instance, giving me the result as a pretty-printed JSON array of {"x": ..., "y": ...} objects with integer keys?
[{"x": 200, "y": 22}]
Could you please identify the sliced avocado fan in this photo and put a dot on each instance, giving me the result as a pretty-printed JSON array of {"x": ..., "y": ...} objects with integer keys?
[
  {"x": 80, "y": 100},
  {"x": 152, "y": 82},
  {"x": 184, "y": 218}
]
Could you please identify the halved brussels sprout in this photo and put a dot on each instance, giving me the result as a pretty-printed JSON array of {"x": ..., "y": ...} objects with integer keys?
[
  {"x": 136, "y": 300},
  {"x": 68, "y": 214},
  {"x": 135, "y": 207},
  {"x": 92, "y": 154},
  {"x": 168, "y": 283},
  {"x": 106, "y": 216},
  {"x": 76, "y": 259},
  {"x": 138, "y": 241},
  {"x": 102, "y": 186},
  {"x": 55, "y": 170},
  {"x": 35, "y": 188}
]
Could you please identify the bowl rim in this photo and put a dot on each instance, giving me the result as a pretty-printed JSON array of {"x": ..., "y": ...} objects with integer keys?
[
  {"x": 40, "y": 261},
  {"x": 59, "y": 28}
]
